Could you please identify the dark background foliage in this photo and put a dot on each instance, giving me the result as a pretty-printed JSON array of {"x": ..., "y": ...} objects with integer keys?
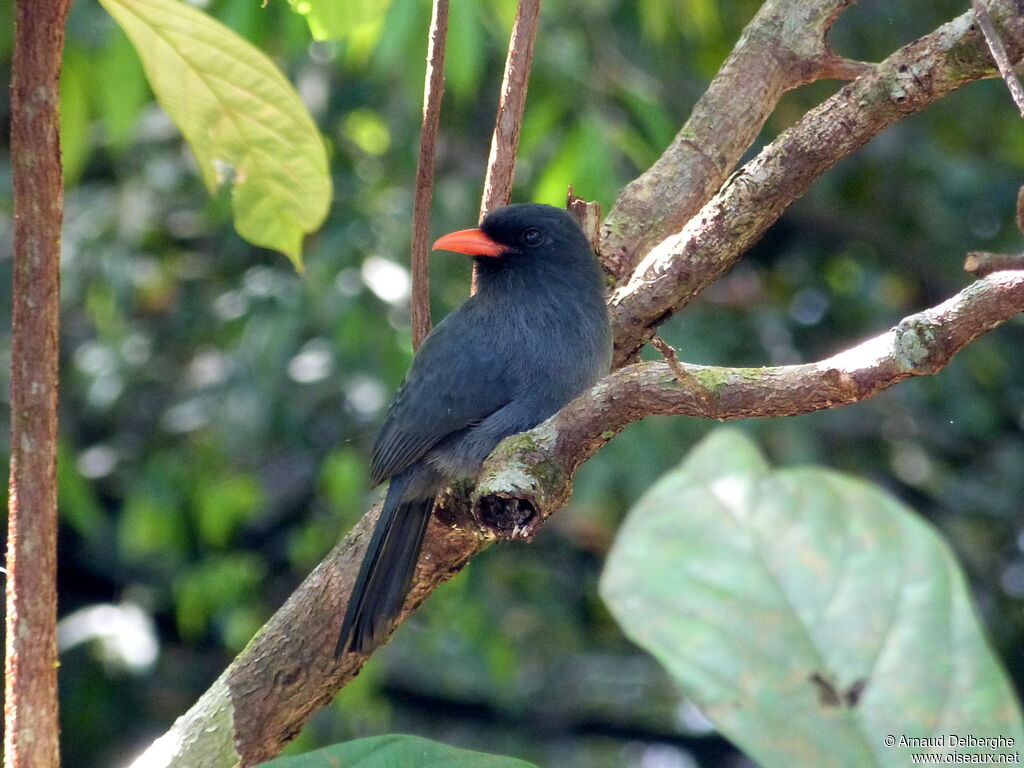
[{"x": 217, "y": 408}]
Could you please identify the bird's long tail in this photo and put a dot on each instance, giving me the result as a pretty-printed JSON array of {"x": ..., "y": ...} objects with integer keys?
[{"x": 386, "y": 571}]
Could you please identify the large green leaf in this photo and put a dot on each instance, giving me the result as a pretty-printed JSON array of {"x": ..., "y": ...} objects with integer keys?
[
  {"x": 243, "y": 120},
  {"x": 394, "y": 751},
  {"x": 809, "y": 614}
]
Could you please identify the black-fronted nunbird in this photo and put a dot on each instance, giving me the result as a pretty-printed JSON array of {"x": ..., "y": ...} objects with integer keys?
[{"x": 534, "y": 336}]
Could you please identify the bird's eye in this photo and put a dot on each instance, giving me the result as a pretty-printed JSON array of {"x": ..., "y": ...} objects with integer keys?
[{"x": 532, "y": 236}]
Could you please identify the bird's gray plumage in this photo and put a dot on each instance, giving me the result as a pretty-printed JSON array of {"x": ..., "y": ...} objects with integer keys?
[{"x": 534, "y": 336}]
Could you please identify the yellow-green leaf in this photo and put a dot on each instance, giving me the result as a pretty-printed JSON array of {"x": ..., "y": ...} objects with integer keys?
[
  {"x": 812, "y": 617},
  {"x": 241, "y": 116}
]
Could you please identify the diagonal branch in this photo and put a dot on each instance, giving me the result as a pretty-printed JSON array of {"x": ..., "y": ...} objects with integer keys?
[
  {"x": 535, "y": 469},
  {"x": 999, "y": 54},
  {"x": 911, "y": 79},
  {"x": 782, "y": 47}
]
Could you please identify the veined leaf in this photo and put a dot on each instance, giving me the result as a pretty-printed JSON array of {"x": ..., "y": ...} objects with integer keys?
[
  {"x": 815, "y": 619},
  {"x": 242, "y": 118},
  {"x": 394, "y": 751}
]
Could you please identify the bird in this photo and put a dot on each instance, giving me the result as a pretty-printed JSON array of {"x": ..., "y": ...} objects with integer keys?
[{"x": 534, "y": 336}]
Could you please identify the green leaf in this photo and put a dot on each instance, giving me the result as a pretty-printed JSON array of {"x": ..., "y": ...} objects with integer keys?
[
  {"x": 394, "y": 751},
  {"x": 242, "y": 118},
  {"x": 809, "y": 614}
]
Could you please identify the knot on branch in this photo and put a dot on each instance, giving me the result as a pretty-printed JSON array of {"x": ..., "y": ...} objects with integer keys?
[
  {"x": 917, "y": 348},
  {"x": 507, "y": 516},
  {"x": 522, "y": 482}
]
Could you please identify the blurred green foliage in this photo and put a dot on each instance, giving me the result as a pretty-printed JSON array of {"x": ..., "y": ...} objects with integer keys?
[{"x": 217, "y": 409}]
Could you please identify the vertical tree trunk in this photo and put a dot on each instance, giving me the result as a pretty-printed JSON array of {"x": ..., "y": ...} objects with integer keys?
[{"x": 30, "y": 706}]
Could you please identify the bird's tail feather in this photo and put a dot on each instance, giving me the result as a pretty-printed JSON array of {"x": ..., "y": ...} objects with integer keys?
[{"x": 386, "y": 571}]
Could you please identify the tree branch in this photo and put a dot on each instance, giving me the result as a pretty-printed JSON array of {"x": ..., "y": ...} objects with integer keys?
[
  {"x": 981, "y": 263},
  {"x": 433, "y": 91},
  {"x": 782, "y": 47},
  {"x": 914, "y": 77},
  {"x": 533, "y": 471},
  {"x": 999, "y": 54},
  {"x": 261, "y": 700},
  {"x": 501, "y": 162},
  {"x": 30, "y": 667}
]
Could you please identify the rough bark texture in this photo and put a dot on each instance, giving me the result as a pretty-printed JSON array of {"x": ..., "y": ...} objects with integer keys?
[
  {"x": 531, "y": 473},
  {"x": 30, "y": 689},
  {"x": 785, "y": 46},
  {"x": 289, "y": 670},
  {"x": 999, "y": 55},
  {"x": 683, "y": 264}
]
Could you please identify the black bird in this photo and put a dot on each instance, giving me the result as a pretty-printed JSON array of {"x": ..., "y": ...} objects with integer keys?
[{"x": 534, "y": 336}]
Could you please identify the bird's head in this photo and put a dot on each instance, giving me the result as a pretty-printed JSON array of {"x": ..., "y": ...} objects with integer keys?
[{"x": 522, "y": 232}]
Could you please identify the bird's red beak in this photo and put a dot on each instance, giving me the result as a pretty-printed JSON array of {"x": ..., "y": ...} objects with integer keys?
[{"x": 472, "y": 242}]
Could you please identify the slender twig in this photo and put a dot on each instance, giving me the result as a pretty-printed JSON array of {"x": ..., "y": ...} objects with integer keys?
[
  {"x": 684, "y": 377},
  {"x": 981, "y": 263},
  {"x": 433, "y": 91},
  {"x": 501, "y": 162},
  {"x": 995, "y": 45},
  {"x": 30, "y": 705},
  {"x": 1020, "y": 209}
]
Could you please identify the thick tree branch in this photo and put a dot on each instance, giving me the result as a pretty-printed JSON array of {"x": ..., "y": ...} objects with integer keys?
[
  {"x": 433, "y": 91},
  {"x": 264, "y": 697},
  {"x": 533, "y": 471},
  {"x": 914, "y": 77},
  {"x": 30, "y": 661},
  {"x": 782, "y": 47}
]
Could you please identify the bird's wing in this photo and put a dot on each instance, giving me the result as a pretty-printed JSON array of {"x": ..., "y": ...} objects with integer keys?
[{"x": 457, "y": 379}]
